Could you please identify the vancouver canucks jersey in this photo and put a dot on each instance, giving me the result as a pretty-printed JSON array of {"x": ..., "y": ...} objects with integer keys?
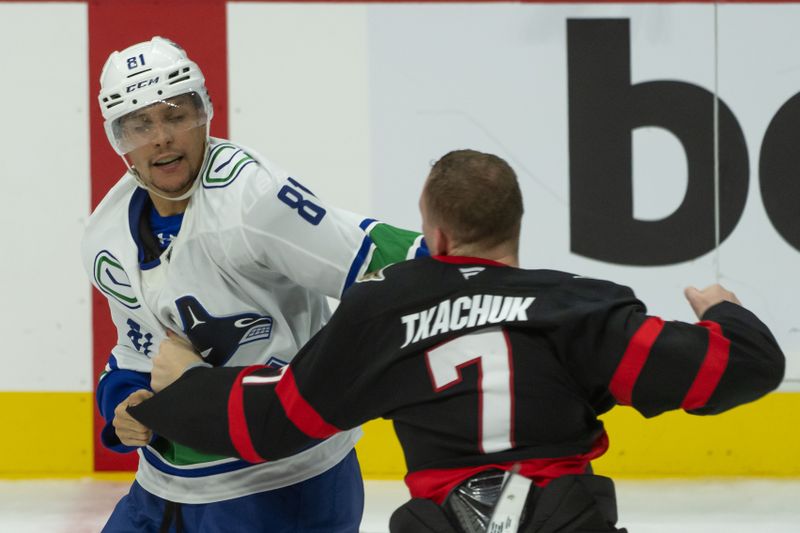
[
  {"x": 246, "y": 280},
  {"x": 476, "y": 364}
]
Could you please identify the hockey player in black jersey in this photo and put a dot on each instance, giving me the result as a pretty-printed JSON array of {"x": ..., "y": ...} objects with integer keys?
[{"x": 483, "y": 367}]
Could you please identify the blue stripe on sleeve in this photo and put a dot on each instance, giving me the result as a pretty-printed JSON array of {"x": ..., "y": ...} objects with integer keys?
[
  {"x": 358, "y": 262},
  {"x": 366, "y": 223},
  {"x": 111, "y": 391}
]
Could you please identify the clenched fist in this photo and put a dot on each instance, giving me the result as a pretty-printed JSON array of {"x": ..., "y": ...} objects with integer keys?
[
  {"x": 708, "y": 297},
  {"x": 129, "y": 431}
]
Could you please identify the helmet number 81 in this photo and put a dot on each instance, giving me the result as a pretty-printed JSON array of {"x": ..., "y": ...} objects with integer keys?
[{"x": 136, "y": 62}]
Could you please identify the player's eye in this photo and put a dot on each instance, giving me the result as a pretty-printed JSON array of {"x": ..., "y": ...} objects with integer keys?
[{"x": 138, "y": 126}]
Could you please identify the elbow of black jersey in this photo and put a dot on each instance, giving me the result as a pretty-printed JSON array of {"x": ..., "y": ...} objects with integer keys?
[
  {"x": 747, "y": 378},
  {"x": 193, "y": 411},
  {"x": 729, "y": 359},
  {"x": 756, "y": 365},
  {"x": 759, "y": 376}
]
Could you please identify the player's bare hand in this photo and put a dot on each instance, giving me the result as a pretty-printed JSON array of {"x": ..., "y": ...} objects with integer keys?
[
  {"x": 174, "y": 356},
  {"x": 701, "y": 300},
  {"x": 128, "y": 429}
]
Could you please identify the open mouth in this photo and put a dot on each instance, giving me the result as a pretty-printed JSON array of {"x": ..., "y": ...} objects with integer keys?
[{"x": 167, "y": 161}]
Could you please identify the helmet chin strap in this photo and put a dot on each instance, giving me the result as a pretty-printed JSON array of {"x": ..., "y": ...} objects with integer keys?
[{"x": 195, "y": 183}]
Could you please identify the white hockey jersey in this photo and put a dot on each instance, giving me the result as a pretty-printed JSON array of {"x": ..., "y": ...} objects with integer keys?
[{"x": 246, "y": 281}]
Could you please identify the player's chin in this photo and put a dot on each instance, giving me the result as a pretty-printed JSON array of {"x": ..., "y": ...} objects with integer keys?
[{"x": 172, "y": 187}]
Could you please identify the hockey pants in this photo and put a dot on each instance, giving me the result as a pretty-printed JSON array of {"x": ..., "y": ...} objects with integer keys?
[{"x": 569, "y": 504}]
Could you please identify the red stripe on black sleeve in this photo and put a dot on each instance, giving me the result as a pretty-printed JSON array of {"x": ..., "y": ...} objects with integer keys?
[
  {"x": 237, "y": 422},
  {"x": 714, "y": 365},
  {"x": 632, "y": 362},
  {"x": 299, "y": 411}
]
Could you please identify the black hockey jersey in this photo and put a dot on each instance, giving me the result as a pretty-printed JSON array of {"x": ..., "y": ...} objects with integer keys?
[{"x": 476, "y": 363}]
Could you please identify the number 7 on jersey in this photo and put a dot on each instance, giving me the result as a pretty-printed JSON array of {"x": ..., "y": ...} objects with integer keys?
[{"x": 490, "y": 349}]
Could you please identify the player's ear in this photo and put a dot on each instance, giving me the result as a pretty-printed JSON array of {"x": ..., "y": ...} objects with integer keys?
[{"x": 442, "y": 244}]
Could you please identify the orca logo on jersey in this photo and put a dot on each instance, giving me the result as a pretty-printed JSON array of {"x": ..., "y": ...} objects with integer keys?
[
  {"x": 218, "y": 338},
  {"x": 464, "y": 312}
]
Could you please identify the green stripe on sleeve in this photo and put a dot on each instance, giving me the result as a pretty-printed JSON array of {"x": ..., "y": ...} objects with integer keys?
[{"x": 392, "y": 245}]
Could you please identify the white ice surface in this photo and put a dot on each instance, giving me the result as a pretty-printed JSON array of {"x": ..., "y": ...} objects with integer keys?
[{"x": 702, "y": 506}]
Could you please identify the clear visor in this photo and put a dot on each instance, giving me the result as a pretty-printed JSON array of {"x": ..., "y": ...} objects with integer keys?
[{"x": 158, "y": 121}]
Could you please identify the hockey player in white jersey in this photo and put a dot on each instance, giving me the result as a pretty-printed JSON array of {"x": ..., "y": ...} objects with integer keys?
[{"x": 208, "y": 239}]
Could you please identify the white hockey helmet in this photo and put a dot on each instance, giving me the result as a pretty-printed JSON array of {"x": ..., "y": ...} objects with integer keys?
[{"x": 145, "y": 74}]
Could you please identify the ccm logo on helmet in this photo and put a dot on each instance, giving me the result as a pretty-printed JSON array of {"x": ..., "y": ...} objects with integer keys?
[{"x": 139, "y": 85}]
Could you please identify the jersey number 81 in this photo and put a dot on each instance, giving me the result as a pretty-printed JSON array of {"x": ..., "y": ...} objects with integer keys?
[{"x": 306, "y": 208}]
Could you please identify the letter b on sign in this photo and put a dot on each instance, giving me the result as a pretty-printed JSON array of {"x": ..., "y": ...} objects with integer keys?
[{"x": 604, "y": 109}]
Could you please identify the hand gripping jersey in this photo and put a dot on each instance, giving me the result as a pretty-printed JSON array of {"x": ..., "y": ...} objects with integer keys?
[
  {"x": 246, "y": 281},
  {"x": 478, "y": 365}
]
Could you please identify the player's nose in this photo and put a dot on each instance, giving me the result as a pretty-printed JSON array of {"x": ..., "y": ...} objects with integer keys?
[{"x": 162, "y": 134}]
